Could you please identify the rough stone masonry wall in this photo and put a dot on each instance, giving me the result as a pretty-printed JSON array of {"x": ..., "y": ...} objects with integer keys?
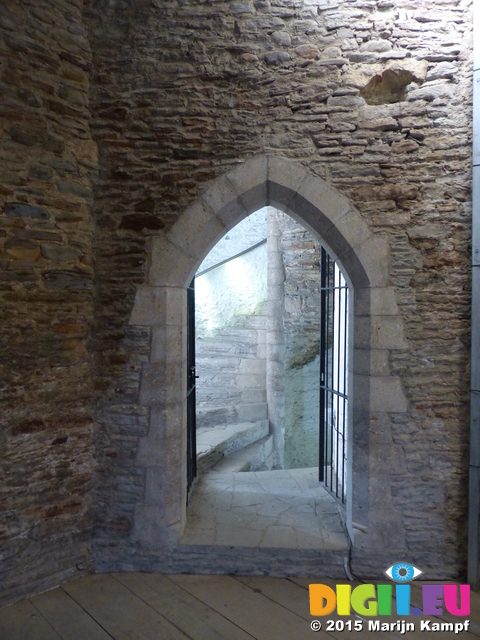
[
  {"x": 47, "y": 162},
  {"x": 372, "y": 95}
]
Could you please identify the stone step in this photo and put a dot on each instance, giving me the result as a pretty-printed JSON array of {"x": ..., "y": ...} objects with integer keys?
[
  {"x": 210, "y": 414},
  {"x": 224, "y": 395},
  {"x": 250, "y": 322},
  {"x": 252, "y": 412},
  {"x": 208, "y": 364},
  {"x": 257, "y": 456},
  {"x": 236, "y": 334},
  {"x": 228, "y": 349},
  {"x": 208, "y": 367},
  {"x": 219, "y": 441},
  {"x": 221, "y": 395}
]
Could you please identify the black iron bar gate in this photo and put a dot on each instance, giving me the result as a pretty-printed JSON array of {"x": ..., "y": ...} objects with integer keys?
[
  {"x": 333, "y": 377},
  {"x": 191, "y": 401}
]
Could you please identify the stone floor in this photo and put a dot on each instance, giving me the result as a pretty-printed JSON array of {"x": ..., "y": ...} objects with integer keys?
[{"x": 276, "y": 509}]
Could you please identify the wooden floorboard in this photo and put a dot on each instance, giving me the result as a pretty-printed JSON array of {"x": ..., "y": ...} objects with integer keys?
[
  {"x": 144, "y": 606},
  {"x": 67, "y": 617},
  {"x": 250, "y": 610},
  {"x": 185, "y": 611},
  {"x": 117, "y": 610},
  {"x": 22, "y": 621},
  {"x": 295, "y": 598}
]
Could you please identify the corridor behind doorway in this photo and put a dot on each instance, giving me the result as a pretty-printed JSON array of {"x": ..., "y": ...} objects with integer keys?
[{"x": 250, "y": 492}]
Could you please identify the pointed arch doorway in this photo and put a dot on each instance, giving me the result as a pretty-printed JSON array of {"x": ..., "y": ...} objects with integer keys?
[
  {"x": 160, "y": 304},
  {"x": 272, "y": 325}
]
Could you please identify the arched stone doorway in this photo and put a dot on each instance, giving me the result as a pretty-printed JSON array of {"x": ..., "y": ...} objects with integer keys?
[{"x": 161, "y": 305}]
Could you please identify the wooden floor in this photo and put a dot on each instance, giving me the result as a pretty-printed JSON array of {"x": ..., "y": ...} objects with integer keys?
[{"x": 141, "y": 606}]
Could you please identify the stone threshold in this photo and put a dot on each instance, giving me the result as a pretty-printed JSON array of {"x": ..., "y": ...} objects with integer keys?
[{"x": 278, "y": 509}]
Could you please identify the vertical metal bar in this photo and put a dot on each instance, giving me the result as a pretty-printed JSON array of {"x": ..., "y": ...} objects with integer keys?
[
  {"x": 339, "y": 317},
  {"x": 331, "y": 317},
  {"x": 345, "y": 389},
  {"x": 333, "y": 376},
  {"x": 322, "y": 434},
  {"x": 191, "y": 396}
]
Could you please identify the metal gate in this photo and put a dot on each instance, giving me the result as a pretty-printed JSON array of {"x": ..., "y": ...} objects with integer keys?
[
  {"x": 333, "y": 377},
  {"x": 191, "y": 401}
]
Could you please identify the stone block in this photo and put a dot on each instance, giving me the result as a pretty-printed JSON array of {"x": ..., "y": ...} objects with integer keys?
[
  {"x": 170, "y": 265},
  {"x": 387, "y": 332},
  {"x": 374, "y": 362},
  {"x": 387, "y": 395},
  {"x": 159, "y": 306},
  {"x": 168, "y": 342},
  {"x": 348, "y": 232},
  {"x": 252, "y": 412},
  {"x": 380, "y": 496},
  {"x": 239, "y": 8},
  {"x": 262, "y": 350},
  {"x": 197, "y": 230},
  {"x": 224, "y": 202},
  {"x": 386, "y": 459},
  {"x": 150, "y": 525},
  {"x": 387, "y": 531},
  {"x": 327, "y": 200},
  {"x": 249, "y": 180},
  {"x": 276, "y": 278},
  {"x": 59, "y": 253},
  {"x": 252, "y": 365},
  {"x": 273, "y": 58},
  {"x": 362, "y": 333},
  {"x": 155, "y": 484},
  {"x": 379, "y": 428},
  {"x": 20, "y": 210},
  {"x": 250, "y": 381},
  {"x": 254, "y": 396},
  {"x": 163, "y": 383},
  {"x": 284, "y": 178},
  {"x": 375, "y": 301},
  {"x": 369, "y": 263}
]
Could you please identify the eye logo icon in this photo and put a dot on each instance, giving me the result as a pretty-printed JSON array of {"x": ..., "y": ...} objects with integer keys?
[{"x": 402, "y": 572}]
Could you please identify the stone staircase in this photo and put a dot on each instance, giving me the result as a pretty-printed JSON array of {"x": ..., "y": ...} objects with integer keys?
[{"x": 232, "y": 424}]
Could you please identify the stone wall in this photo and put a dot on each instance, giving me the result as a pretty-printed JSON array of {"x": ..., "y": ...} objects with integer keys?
[
  {"x": 238, "y": 287},
  {"x": 374, "y": 96},
  {"x": 48, "y": 160}
]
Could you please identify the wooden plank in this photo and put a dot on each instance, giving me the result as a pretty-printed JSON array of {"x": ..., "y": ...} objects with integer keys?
[
  {"x": 253, "y": 612},
  {"x": 296, "y": 598},
  {"x": 22, "y": 621},
  {"x": 194, "y": 618},
  {"x": 122, "y": 614},
  {"x": 67, "y": 617}
]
